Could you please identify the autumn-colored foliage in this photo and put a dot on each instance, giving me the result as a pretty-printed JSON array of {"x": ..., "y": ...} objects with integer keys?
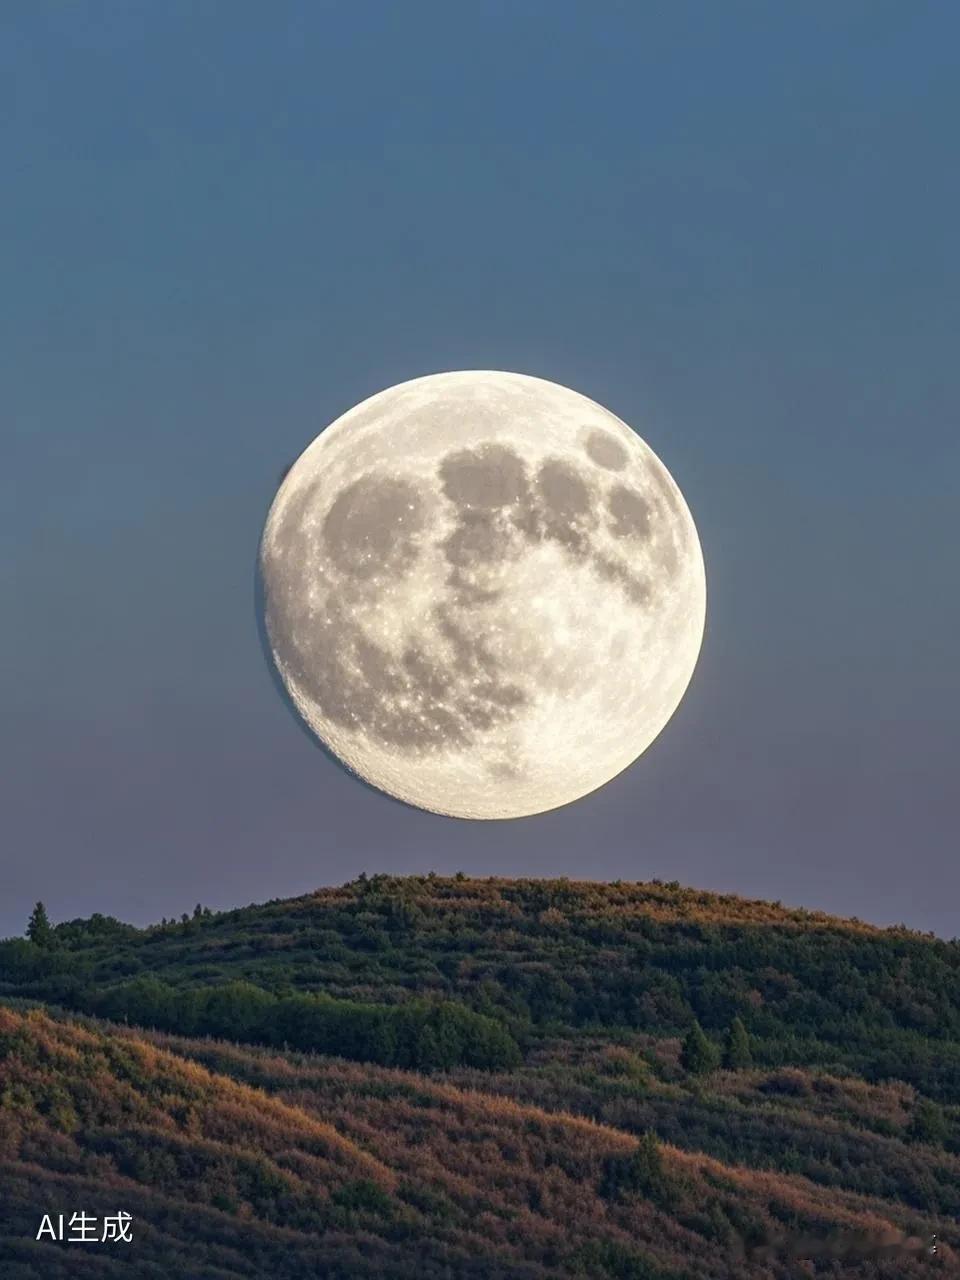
[
  {"x": 353, "y": 1170},
  {"x": 486, "y": 1079}
]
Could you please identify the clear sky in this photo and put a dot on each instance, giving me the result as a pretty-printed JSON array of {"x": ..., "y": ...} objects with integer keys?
[{"x": 222, "y": 224}]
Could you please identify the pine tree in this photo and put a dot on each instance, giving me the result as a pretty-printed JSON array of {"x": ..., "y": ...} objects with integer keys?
[
  {"x": 736, "y": 1049},
  {"x": 645, "y": 1169},
  {"x": 642, "y": 1172},
  {"x": 929, "y": 1123},
  {"x": 38, "y": 928},
  {"x": 698, "y": 1054}
]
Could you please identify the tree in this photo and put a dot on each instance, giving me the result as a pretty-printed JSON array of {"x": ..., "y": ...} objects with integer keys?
[
  {"x": 736, "y": 1049},
  {"x": 929, "y": 1123},
  {"x": 38, "y": 928},
  {"x": 639, "y": 1173},
  {"x": 698, "y": 1055}
]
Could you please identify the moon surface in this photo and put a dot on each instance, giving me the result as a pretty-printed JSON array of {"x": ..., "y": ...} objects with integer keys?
[{"x": 483, "y": 592}]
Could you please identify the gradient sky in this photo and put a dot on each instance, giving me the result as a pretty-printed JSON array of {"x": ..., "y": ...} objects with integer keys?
[{"x": 735, "y": 225}]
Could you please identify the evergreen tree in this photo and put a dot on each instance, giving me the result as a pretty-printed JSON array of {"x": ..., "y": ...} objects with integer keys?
[
  {"x": 736, "y": 1049},
  {"x": 698, "y": 1054},
  {"x": 38, "y": 928},
  {"x": 641, "y": 1172},
  {"x": 645, "y": 1169},
  {"x": 929, "y": 1123}
]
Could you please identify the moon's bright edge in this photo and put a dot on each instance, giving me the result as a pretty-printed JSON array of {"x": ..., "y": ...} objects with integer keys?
[{"x": 483, "y": 592}]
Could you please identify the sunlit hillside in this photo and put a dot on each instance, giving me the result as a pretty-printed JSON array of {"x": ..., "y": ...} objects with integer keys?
[
  {"x": 324, "y": 1168},
  {"x": 485, "y": 1078}
]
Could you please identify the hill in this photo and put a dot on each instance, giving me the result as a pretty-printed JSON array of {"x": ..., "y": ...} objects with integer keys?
[
  {"x": 549, "y": 1078},
  {"x": 811, "y": 989},
  {"x": 323, "y": 1168}
]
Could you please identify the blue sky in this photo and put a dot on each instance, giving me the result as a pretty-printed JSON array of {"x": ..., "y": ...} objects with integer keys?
[{"x": 225, "y": 223}]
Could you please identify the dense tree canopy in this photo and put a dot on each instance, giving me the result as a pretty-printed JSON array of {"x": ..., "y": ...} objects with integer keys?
[{"x": 809, "y": 989}]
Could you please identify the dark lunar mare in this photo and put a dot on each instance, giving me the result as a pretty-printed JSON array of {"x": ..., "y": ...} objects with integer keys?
[
  {"x": 371, "y": 533},
  {"x": 276, "y": 679},
  {"x": 606, "y": 451},
  {"x": 490, "y": 489}
]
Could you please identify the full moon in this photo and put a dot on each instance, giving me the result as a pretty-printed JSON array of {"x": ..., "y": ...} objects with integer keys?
[{"x": 483, "y": 592}]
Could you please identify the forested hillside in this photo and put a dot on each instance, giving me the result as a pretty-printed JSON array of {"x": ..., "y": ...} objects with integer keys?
[
  {"x": 350, "y": 1171},
  {"x": 531, "y": 955},
  {"x": 499, "y": 1078}
]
